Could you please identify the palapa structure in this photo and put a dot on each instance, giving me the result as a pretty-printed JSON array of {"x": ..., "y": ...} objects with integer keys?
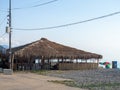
[
  {"x": 43, "y": 53},
  {"x": 3, "y": 61}
]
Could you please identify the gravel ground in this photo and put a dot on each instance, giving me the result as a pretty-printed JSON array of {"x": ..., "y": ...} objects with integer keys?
[{"x": 100, "y": 79}]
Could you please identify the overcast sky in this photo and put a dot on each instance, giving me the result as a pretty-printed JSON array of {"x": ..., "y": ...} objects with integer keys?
[{"x": 99, "y": 36}]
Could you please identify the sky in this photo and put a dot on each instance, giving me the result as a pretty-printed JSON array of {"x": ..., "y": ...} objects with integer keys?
[{"x": 100, "y": 36}]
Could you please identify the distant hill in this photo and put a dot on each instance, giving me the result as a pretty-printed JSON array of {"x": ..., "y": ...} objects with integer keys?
[
  {"x": 3, "y": 49},
  {"x": 5, "y": 46}
]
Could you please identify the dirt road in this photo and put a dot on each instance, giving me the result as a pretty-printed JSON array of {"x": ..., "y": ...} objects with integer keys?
[{"x": 30, "y": 81}]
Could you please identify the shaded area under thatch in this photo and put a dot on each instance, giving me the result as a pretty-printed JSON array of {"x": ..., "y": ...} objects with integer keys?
[
  {"x": 47, "y": 50},
  {"x": 3, "y": 61}
]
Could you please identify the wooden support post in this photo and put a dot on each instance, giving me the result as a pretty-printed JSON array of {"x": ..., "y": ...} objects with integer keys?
[
  {"x": 58, "y": 60},
  {"x": 42, "y": 62},
  {"x": 12, "y": 62}
]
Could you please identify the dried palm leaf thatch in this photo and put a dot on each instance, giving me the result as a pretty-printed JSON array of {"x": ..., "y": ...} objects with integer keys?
[{"x": 51, "y": 50}]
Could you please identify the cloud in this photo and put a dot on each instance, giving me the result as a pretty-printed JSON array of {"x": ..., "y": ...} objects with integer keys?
[
  {"x": 15, "y": 43},
  {"x": 5, "y": 41}
]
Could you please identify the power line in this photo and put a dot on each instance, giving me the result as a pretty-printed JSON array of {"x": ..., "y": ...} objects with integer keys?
[
  {"x": 3, "y": 10},
  {"x": 2, "y": 35},
  {"x": 70, "y": 24},
  {"x": 3, "y": 20},
  {"x": 38, "y": 5}
]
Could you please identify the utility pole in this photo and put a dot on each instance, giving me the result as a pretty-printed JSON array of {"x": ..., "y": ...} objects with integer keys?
[
  {"x": 8, "y": 30},
  {"x": 10, "y": 50}
]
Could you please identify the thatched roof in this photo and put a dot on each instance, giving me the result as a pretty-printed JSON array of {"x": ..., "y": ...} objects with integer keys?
[{"x": 51, "y": 50}]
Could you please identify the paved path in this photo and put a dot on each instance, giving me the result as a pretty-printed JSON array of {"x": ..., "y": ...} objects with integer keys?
[{"x": 29, "y": 81}]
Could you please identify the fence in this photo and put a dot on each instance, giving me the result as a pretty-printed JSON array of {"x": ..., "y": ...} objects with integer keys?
[{"x": 77, "y": 66}]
